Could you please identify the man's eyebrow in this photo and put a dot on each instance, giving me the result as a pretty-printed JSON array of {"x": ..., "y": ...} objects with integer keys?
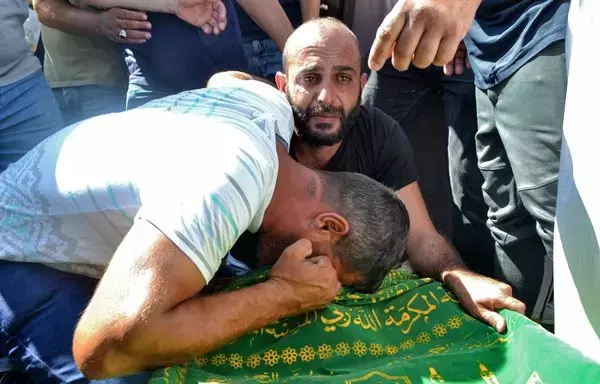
[
  {"x": 311, "y": 68},
  {"x": 316, "y": 68},
  {"x": 344, "y": 68}
]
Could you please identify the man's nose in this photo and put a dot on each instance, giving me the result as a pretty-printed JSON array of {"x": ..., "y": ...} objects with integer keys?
[{"x": 327, "y": 94}]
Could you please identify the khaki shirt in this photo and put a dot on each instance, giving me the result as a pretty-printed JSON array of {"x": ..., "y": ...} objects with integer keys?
[{"x": 75, "y": 60}]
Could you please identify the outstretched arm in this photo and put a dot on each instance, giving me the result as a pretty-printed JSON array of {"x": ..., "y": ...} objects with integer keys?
[
  {"x": 270, "y": 16},
  {"x": 310, "y": 9},
  {"x": 146, "y": 311},
  {"x": 167, "y": 6},
  {"x": 431, "y": 255},
  {"x": 210, "y": 15}
]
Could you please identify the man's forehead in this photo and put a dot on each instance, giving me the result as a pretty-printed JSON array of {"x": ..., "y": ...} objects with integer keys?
[{"x": 322, "y": 57}]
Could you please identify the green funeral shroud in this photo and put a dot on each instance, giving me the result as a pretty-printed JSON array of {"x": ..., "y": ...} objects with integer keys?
[{"x": 411, "y": 331}]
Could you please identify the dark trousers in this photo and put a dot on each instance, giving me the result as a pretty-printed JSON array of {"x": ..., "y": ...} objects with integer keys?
[
  {"x": 438, "y": 114},
  {"x": 180, "y": 57},
  {"x": 518, "y": 145},
  {"x": 39, "y": 309}
]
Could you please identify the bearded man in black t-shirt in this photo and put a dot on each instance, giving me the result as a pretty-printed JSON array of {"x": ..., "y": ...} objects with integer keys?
[{"x": 323, "y": 81}]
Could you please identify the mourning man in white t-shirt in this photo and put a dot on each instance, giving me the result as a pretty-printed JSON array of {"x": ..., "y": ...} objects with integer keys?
[{"x": 151, "y": 201}]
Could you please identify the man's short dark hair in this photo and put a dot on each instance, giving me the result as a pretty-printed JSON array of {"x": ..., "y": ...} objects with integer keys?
[{"x": 378, "y": 222}]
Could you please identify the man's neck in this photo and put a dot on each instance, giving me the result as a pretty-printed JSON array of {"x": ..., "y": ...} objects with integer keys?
[
  {"x": 292, "y": 188},
  {"x": 313, "y": 156}
]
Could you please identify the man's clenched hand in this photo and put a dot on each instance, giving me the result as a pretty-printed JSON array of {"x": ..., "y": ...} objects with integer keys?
[
  {"x": 305, "y": 282},
  {"x": 482, "y": 296},
  {"x": 422, "y": 31}
]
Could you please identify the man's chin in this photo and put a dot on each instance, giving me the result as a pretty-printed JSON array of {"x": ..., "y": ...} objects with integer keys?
[
  {"x": 323, "y": 134},
  {"x": 325, "y": 125}
]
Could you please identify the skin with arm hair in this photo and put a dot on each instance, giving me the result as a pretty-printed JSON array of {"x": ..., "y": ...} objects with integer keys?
[
  {"x": 310, "y": 9},
  {"x": 210, "y": 15},
  {"x": 150, "y": 290},
  {"x": 432, "y": 255},
  {"x": 167, "y": 6},
  {"x": 274, "y": 21},
  {"x": 429, "y": 252}
]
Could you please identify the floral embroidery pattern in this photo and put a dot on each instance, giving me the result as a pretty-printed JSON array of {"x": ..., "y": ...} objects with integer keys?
[
  {"x": 307, "y": 353},
  {"x": 359, "y": 348},
  {"x": 289, "y": 356},
  {"x": 271, "y": 357}
]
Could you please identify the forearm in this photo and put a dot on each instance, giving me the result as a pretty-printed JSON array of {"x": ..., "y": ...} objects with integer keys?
[
  {"x": 310, "y": 9},
  {"x": 195, "y": 327},
  {"x": 165, "y": 6},
  {"x": 275, "y": 22},
  {"x": 432, "y": 256},
  {"x": 62, "y": 15}
]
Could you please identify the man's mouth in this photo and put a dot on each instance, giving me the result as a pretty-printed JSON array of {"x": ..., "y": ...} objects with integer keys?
[{"x": 326, "y": 118}]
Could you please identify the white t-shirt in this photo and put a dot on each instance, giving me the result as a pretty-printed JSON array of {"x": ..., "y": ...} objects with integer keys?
[{"x": 201, "y": 166}]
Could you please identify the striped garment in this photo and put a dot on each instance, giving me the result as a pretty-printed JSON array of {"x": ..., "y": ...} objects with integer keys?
[{"x": 201, "y": 166}]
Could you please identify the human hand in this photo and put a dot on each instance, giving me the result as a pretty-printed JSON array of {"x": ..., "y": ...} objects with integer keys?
[
  {"x": 306, "y": 282},
  {"x": 134, "y": 23},
  {"x": 460, "y": 61},
  {"x": 422, "y": 31},
  {"x": 482, "y": 296},
  {"x": 210, "y": 15}
]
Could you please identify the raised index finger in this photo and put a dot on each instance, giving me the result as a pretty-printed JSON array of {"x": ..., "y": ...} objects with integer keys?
[{"x": 386, "y": 36}]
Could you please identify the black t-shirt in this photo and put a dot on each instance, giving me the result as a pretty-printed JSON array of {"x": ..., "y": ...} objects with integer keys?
[{"x": 375, "y": 146}]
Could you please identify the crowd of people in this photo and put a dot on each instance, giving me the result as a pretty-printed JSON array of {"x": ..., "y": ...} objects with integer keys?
[{"x": 162, "y": 144}]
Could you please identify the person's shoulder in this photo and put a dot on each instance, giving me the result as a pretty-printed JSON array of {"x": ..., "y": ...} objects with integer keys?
[
  {"x": 376, "y": 120},
  {"x": 384, "y": 129}
]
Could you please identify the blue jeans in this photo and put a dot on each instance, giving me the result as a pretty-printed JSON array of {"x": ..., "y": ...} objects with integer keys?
[
  {"x": 83, "y": 102},
  {"x": 28, "y": 114},
  {"x": 264, "y": 58},
  {"x": 39, "y": 309}
]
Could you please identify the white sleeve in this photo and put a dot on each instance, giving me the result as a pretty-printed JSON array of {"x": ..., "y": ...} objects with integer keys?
[
  {"x": 205, "y": 217},
  {"x": 272, "y": 101}
]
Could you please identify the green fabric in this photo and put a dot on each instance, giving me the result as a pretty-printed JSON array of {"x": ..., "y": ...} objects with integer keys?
[{"x": 411, "y": 331}]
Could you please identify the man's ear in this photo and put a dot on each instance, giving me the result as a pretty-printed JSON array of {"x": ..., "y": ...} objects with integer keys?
[
  {"x": 363, "y": 81},
  {"x": 281, "y": 81},
  {"x": 332, "y": 225}
]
